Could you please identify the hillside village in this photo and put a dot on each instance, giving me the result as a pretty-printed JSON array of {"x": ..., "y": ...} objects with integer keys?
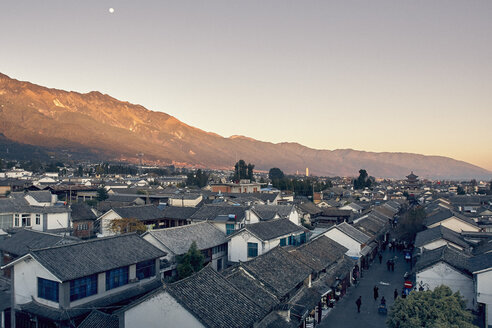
[{"x": 107, "y": 250}]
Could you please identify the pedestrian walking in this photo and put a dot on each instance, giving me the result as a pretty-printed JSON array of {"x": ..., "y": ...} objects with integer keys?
[
  {"x": 376, "y": 293},
  {"x": 380, "y": 258},
  {"x": 390, "y": 245},
  {"x": 395, "y": 294},
  {"x": 359, "y": 303},
  {"x": 388, "y": 265}
]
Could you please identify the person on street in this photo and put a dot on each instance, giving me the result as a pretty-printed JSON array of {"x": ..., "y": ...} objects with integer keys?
[
  {"x": 383, "y": 301},
  {"x": 376, "y": 293},
  {"x": 388, "y": 265},
  {"x": 358, "y": 302},
  {"x": 395, "y": 294},
  {"x": 380, "y": 258}
]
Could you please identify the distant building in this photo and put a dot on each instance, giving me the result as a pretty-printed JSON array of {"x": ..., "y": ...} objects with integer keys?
[
  {"x": 244, "y": 186},
  {"x": 412, "y": 181}
]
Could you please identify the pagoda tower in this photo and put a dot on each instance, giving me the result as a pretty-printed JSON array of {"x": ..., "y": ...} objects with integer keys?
[{"x": 412, "y": 181}]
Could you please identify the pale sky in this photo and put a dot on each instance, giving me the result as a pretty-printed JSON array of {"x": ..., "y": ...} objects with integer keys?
[{"x": 400, "y": 76}]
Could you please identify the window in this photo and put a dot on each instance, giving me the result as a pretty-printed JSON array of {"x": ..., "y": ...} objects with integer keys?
[
  {"x": 145, "y": 269},
  {"x": 116, "y": 278},
  {"x": 26, "y": 220},
  {"x": 252, "y": 249},
  {"x": 16, "y": 220},
  {"x": 6, "y": 221},
  {"x": 229, "y": 229},
  {"x": 283, "y": 241},
  {"x": 219, "y": 264},
  {"x": 48, "y": 289},
  {"x": 83, "y": 287},
  {"x": 38, "y": 219},
  {"x": 291, "y": 240}
]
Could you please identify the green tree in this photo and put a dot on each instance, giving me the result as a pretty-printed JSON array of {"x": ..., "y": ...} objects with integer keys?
[
  {"x": 52, "y": 167},
  {"x": 363, "y": 181},
  {"x": 102, "y": 194},
  {"x": 199, "y": 178},
  {"x": 439, "y": 308},
  {"x": 412, "y": 222},
  {"x": 126, "y": 225},
  {"x": 250, "y": 172},
  {"x": 243, "y": 171},
  {"x": 190, "y": 262},
  {"x": 275, "y": 174},
  {"x": 461, "y": 191}
]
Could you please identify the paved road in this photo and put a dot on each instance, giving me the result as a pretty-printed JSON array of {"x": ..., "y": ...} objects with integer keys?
[{"x": 344, "y": 314}]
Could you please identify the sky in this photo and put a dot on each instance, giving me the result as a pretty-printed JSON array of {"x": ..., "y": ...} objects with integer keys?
[{"x": 383, "y": 75}]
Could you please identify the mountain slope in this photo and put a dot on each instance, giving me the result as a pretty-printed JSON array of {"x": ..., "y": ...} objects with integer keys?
[{"x": 98, "y": 123}]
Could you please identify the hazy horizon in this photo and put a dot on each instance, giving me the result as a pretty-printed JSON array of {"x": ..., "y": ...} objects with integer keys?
[{"x": 380, "y": 76}]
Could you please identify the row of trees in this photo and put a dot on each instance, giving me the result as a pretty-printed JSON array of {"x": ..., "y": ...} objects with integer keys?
[
  {"x": 243, "y": 171},
  {"x": 198, "y": 179},
  {"x": 303, "y": 187}
]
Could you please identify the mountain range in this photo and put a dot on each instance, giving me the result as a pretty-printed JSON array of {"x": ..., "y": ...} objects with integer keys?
[{"x": 103, "y": 127}]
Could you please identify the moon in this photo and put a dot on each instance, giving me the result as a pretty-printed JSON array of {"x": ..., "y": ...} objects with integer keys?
[{"x": 111, "y": 10}]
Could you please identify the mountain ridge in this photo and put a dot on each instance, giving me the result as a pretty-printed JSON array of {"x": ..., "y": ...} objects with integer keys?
[{"x": 47, "y": 117}]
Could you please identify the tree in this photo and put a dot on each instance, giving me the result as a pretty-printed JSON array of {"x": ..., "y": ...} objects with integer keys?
[
  {"x": 199, "y": 179},
  {"x": 461, "y": 191},
  {"x": 250, "y": 172},
  {"x": 190, "y": 262},
  {"x": 52, "y": 168},
  {"x": 412, "y": 222},
  {"x": 275, "y": 174},
  {"x": 439, "y": 308},
  {"x": 126, "y": 225},
  {"x": 102, "y": 194},
  {"x": 363, "y": 181},
  {"x": 243, "y": 171}
]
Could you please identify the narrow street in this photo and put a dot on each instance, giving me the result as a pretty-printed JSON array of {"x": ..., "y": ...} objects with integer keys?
[{"x": 344, "y": 314}]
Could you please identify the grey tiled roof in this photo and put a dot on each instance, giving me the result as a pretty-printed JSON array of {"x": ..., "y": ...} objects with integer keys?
[
  {"x": 272, "y": 229},
  {"x": 481, "y": 262},
  {"x": 142, "y": 212},
  {"x": 214, "y": 301},
  {"x": 177, "y": 212},
  {"x": 278, "y": 270},
  {"x": 319, "y": 253},
  {"x": 23, "y": 240},
  {"x": 82, "y": 211},
  {"x": 310, "y": 208},
  {"x": 267, "y": 212},
  {"x": 450, "y": 255},
  {"x": 274, "y": 320},
  {"x": 305, "y": 300},
  {"x": 444, "y": 214},
  {"x": 77, "y": 260},
  {"x": 353, "y": 232},
  {"x": 370, "y": 225},
  {"x": 179, "y": 239},
  {"x": 212, "y": 211},
  {"x": 98, "y": 319},
  {"x": 436, "y": 233},
  {"x": 41, "y": 196},
  {"x": 250, "y": 287},
  {"x": 335, "y": 212}
]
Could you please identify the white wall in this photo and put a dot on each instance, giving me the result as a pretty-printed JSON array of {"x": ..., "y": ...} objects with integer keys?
[
  {"x": 106, "y": 219},
  {"x": 160, "y": 310},
  {"x": 26, "y": 282},
  {"x": 56, "y": 220},
  {"x": 438, "y": 243},
  {"x": 443, "y": 274},
  {"x": 294, "y": 217},
  {"x": 238, "y": 246},
  {"x": 344, "y": 240},
  {"x": 484, "y": 293},
  {"x": 456, "y": 225}
]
